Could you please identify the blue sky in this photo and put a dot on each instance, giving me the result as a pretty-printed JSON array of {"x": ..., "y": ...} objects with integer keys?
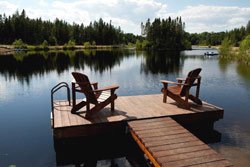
[{"x": 198, "y": 15}]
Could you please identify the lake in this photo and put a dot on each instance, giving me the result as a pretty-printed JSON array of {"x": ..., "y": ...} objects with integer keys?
[{"x": 27, "y": 78}]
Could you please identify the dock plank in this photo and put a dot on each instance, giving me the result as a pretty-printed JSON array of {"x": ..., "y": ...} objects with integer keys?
[
  {"x": 175, "y": 146},
  {"x": 165, "y": 142},
  {"x": 186, "y": 155},
  {"x": 65, "y": 116},
  {"x": 166, "y": 146},
  {"x": 168, "y": 137},
  {"x": 180, "y": 150},
  {"x": 221, "y": 163},
  {"x": 193, "y": 161}
]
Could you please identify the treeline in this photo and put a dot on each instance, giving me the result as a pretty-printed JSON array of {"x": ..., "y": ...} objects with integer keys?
[
  {"x": 235, "y": 36},
  {"x": 59, "y": 32},
  {"x": 19, "y": 29},
  {"x": 167, "y": 33}
]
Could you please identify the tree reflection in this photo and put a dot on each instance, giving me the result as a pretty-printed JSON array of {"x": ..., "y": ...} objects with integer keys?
[
  {"x": 161, "y": 62},
  {"x": 241, "y": 68},
  {"x": 22, "y": 65},
  {"x": 223, "y": 64},
  {"x": 244, "y": 71}
]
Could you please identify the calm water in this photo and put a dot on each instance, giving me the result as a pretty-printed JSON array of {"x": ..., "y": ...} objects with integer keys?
[{"x": 26, "y": 79}]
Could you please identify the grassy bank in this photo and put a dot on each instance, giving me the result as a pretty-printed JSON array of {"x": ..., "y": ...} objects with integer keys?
[
  {"x": 234, "y": 54},
  {"x": 231, "y": 53},
  {"x": 10, "y": 48}
]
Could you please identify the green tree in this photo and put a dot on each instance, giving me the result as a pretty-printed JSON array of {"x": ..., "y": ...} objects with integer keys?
[
  {"x": 52, "y": 40},
  {"x": 245, "y": 46},
  {"x": 138, "y": 45},
  {"x": 45, "y": 44},
  {"x": 19, "y": 44},
  {"x": 248, "y": 28},
  {"x": 165, "y": 34},
  {"x": 145, "y": 44},
  {"x": 225, "y": 48},
  {"x": 87, "y": 45}
]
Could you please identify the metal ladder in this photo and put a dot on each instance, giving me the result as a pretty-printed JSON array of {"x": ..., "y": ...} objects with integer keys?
[{"x": 55, "y": 89}]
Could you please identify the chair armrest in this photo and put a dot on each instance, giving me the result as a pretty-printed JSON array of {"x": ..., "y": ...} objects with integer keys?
[
  {"x": 180, "y": 79},
  {"x": 171, "y": 82},
  {"x": 92, "y": 83},
  {"x": 86, "y": 83},
  {"x": 95, "y": 85},
  {"x": 112, "y": 88}
]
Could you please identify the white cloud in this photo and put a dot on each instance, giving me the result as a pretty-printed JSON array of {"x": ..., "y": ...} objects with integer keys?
[
  {"x": 212, "y": 18},
  {"x": 128, "y": 14},
  {"x": 42, "y": 3},
  {"x": 7, "y": 7}
]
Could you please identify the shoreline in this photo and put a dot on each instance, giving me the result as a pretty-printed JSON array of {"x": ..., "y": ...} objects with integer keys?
[{"x": 6, "y": 49}]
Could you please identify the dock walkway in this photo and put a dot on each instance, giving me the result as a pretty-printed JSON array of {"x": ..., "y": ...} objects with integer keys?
[{"x": 167, "y": 143}]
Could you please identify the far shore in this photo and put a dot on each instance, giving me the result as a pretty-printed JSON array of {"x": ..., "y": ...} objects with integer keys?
[{"x": 8, "y": 49}]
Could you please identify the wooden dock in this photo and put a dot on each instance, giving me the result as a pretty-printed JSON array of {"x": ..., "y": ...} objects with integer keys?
[
  {"x": 160, "y": 129},
  {"x": 129, "y": 108},
  {"x": 167, "y": 143}
]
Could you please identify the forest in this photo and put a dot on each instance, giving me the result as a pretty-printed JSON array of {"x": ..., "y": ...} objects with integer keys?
[
  {"x": 59, "y": 32},
  {"x": 215, "y": 38},
  {"x": 164, "y": 34}
]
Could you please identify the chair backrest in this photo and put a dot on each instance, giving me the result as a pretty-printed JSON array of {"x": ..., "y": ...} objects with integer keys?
[
  {"x": 85, "y": 86},
  {"x": 191, "y": 77}
]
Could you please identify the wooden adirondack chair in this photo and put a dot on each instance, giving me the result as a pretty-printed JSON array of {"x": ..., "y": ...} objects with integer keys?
[
  {"x": 98, "y": 97},
  {"x": 181, "y": 89}
]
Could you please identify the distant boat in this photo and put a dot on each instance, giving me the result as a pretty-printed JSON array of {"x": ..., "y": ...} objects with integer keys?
[{"x": 210, "y": 53}]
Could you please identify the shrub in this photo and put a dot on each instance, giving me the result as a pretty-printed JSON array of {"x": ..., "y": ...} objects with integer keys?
[
  {"x": 52, "y": 41},
  {"x": 19, "y": 44},
  {"x": 70, "y": 45},
  {"x": 145, "y": 44},
  {"x": 245, "y": 46},
  {"x": 86, "y": 45},
  {"x": 244, "y": 54},
  {"x": 225, "y": 48},
  {"x": 45, "y": 44},
  {"x": 130, "y": 45},
  {"x": 138, "y": 45}
]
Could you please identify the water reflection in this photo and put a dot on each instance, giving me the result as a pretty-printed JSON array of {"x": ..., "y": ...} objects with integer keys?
[
  {"x": 224, "y": 84},
  {"x": 115, "y": 150},
  {"x": 161, "y": 62},
  {"x": 23, "y": 65},
  {"x": 244, "y": 71}
]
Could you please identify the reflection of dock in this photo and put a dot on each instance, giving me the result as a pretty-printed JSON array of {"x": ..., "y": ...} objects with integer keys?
[{"x": 132, "y": 109}]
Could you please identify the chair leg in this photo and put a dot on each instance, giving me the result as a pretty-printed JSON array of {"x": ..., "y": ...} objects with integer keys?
[
  {"x": 113, "y": 97},
  {"x": 112, "y": 105},
  {"x": 186, "y": 104},
  {"x": 78, "y": 107},
  {"x": 87, "y": 107},
  {"x": 195, "y": 99},
  {"x": 164, "y": 96}
]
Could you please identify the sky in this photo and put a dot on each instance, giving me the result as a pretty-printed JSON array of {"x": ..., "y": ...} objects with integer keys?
[{"x": 198, "y": 15}]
